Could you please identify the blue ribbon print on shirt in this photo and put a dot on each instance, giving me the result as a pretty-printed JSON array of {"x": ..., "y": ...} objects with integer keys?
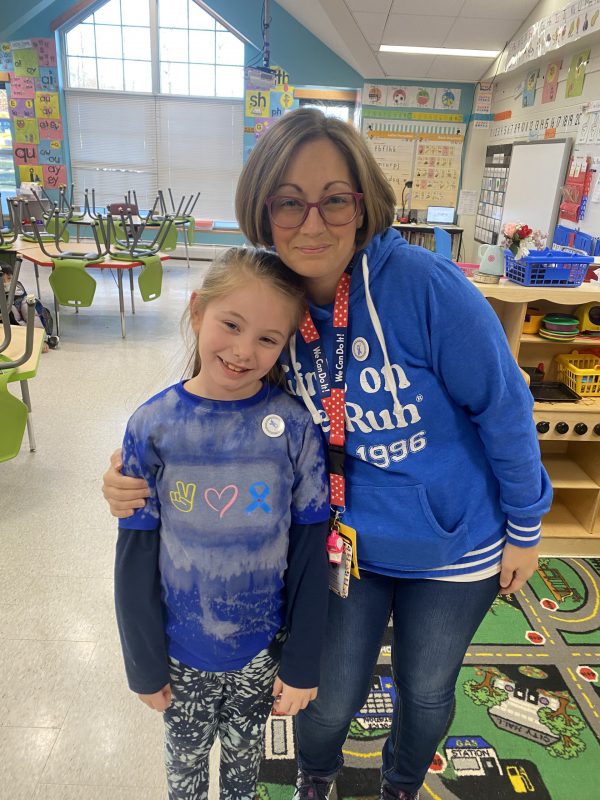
[{"x": 259, "y": 491}]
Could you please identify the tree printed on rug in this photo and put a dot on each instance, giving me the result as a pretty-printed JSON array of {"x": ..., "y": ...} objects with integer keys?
[{"x": 526, "y": 722}]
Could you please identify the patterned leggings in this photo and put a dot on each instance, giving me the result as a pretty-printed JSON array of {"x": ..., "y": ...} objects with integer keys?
[{"x": 233, "y": 705}]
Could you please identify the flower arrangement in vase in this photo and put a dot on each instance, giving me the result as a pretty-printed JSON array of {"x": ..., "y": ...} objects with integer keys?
[{"x": 519, "y": 238}]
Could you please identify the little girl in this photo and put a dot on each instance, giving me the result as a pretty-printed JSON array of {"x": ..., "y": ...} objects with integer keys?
[{"x": 221, "y": 579}]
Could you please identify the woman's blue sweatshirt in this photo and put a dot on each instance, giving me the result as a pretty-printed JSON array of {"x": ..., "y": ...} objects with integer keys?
[{"x": 442, "y": 458}]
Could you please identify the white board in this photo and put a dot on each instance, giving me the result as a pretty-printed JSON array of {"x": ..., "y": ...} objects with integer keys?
[{"x": 537, "y": 173}]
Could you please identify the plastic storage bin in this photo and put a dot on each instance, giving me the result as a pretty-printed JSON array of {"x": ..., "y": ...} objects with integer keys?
[
  {"x": 581, "y": 373},
  {"x": 548, "y": 268}
]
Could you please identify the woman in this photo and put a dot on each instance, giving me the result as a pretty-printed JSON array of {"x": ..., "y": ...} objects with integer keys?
[{"x": 443, "y": 480}]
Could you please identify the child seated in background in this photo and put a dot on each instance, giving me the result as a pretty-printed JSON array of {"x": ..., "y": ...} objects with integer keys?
[{"x": 18, "y": 310}]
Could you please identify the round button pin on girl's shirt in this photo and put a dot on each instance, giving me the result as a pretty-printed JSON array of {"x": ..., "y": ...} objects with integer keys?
[{"x": 273, "y": 425}]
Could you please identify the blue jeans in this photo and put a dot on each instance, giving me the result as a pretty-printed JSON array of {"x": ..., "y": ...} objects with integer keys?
[{"x": 434, "y": 622}]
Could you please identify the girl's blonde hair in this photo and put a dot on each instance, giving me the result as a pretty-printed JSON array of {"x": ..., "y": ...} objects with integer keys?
[
  {"x": 271, "y": 156},
  {"x": 229, "y": 272}
]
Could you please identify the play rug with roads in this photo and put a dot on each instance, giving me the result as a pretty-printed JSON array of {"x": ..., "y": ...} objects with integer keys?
[{"x": 526, "y": 723}]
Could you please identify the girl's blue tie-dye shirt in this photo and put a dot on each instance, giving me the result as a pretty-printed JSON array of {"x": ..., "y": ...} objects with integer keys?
[{"x": 227, "y": 478}]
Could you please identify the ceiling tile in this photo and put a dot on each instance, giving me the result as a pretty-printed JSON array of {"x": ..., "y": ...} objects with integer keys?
[
  {"x": 481, "y": 34},
  {"x": 449, "y": 68},
  {"x": 492, "y": 9},
  {"x": 400, "y": 65},
  {"x": 417, "y": 31},
  {"x": 371, "y": 26},
  {"x": 445, "y": 8},
  {"x": 376, "y": 6}
]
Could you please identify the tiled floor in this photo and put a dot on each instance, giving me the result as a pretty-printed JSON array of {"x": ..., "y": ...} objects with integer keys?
[{"x": 70, "y": 729}]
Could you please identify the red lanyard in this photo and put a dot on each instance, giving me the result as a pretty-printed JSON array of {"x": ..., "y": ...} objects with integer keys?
[{"x": 331, "y": 384}]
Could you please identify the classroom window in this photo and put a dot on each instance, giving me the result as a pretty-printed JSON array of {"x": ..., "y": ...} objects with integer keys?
[{"x": 181, "y": 49}]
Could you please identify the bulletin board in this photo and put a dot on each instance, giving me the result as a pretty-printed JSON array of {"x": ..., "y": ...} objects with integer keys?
[
  {"x": 37, "y": 129},
  {"x": 428, "y": 154},
  {"x": 536, "y": 176}
]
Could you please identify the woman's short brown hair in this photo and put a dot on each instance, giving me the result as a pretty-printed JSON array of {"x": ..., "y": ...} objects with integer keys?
[{"x": 271, "y": 156}]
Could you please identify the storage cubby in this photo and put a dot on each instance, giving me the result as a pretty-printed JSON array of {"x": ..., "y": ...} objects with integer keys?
[{"x": 571, "y": 456}]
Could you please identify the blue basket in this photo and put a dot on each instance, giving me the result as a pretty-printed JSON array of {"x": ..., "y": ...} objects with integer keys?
[{"x": 548, "y": 268}]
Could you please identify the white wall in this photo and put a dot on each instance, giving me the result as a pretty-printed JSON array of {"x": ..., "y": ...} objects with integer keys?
[{"x": 506, "y": 97}]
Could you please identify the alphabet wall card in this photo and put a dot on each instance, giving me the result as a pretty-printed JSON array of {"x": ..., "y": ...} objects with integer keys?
[
  {"x": 54, "y": 176},
  {"x": 48, "y": 80},
  {"x": 576, "y": 75},
  {"x": 50, "y": 129},
  {"x": 50, "y": 152},
  {"x": 551, "y": 81},
  {"x": 374, "y": 94},
  {"x": 26, "y": 63},
  {"x": 529, "y": 88},
  {"x": 26, "y": 131},
  {"x": 21, "y": 108},
  {"x": 25, "y": 154},
  {"x": 6, "y": 57},
  {"x": 447, "y": 98},
  {"x": 22, "y": 87},
  {"x": 258, "y": 103},
  {"x": 31, "y": 174},
  {"x": 46, "y": 52},
  {"x": 46, "y": 105}
]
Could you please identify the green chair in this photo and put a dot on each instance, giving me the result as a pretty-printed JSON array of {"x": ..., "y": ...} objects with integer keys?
[
  {"x": 170, "y": 242},
  {"x": 150, "y": 278},
  {"x": 71, "y": 284},
  {"x": 13, "y": 413},
  {"x": 50, "y": 227}
]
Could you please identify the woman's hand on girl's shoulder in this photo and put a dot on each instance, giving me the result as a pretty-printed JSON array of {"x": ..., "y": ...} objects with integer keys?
[{"x": 122, "y": 493}]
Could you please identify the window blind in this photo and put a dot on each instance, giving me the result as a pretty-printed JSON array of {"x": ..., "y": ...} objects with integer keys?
[{"x": 121, "y": 142}]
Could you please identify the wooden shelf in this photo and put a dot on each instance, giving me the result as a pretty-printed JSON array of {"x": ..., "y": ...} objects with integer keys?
[
  {"x": 533, "y": 338},
  {"x": 584, "y": 406},
  {"x": 559, "y": 522},
  {"x": 567, "y": 474}
]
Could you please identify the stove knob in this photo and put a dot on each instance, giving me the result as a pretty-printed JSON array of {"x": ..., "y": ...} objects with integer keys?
[
  {"x": 543, "y": 427},
  {"x": 561, "y": 427},
  {"x": 580, "y": 428},
  {"x": 597, "y": 429}
]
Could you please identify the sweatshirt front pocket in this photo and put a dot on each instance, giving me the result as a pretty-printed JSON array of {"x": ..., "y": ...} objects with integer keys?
[{"x": 398, "y": 529}]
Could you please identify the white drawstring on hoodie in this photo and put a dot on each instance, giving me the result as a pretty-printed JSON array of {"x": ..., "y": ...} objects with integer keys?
[{"x": 388, "y": 373}]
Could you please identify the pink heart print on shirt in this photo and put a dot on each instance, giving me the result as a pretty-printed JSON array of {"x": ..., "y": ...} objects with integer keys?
[{"x": 221, "y": 503}]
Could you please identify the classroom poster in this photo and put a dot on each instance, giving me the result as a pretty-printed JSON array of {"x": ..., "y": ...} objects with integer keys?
[
  {"x": 448, "y": 99},
  {"x": 436, "y": 173},
  {"x": 21, "y": 108},
  {"x": 6, "y": 57},
  {"x": 529, "y": 88},
  {"x": 35, "y": 111},
  {"x": 26, "y": 63},
  {"x": 50, "y": 128},
  {"x": 268, "y": 95},
  {"x": 22, "y": 87},
  {"x": 401, "y": 96},
  {"x": 425, "y": 96},
  {"x": 374, "y": 94},
  {"x": 395, "y": 155},
  {"x": 576, "y": 74},
  {"x": 26, "y": 131},
  {"x": 551, "y": 82}
]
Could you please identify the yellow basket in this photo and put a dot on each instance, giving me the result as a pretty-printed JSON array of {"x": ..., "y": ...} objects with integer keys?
[{"x": 581, "y": 373}]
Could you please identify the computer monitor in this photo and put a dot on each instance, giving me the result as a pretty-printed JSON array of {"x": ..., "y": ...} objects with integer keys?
[{"x": 440, "y": 215}]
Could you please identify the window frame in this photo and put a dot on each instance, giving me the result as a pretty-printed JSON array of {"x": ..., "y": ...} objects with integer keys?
[{"x": 155, "y": 61}]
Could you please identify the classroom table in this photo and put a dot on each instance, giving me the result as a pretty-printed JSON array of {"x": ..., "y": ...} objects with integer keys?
[
  {"x": 15, "y": 349},
  {"x": 39, "y": 258}
]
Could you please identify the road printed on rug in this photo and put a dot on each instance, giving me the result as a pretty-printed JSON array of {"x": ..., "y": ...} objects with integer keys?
[{"x": 526, "y": 722}]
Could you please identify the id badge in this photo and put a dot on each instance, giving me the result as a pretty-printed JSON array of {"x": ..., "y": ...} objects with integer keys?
[{"x": 339, "y": 574}]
